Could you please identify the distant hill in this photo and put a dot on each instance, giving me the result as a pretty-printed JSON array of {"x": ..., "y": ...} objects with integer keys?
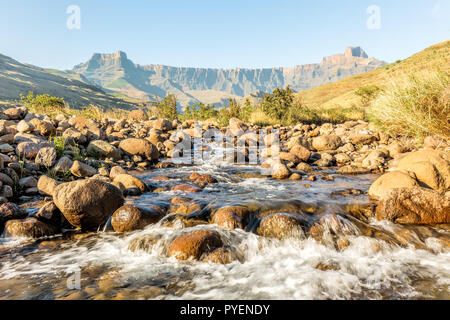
[
  {"x": 115, "y": 72},
  {"x": 18, "y": 78},
  {"x": 341, "y": 93}
]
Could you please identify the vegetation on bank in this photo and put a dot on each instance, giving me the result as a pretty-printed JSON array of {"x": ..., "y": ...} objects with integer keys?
[
  {"x": 415, "y": 106},
  {"x": 52, "y": 106}
]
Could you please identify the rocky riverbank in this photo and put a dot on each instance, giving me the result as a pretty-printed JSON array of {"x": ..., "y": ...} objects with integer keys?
[{"x": 66, "y": 177}]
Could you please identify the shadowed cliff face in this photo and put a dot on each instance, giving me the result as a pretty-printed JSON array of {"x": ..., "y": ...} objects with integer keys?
[{"x": 117, "y": 73}]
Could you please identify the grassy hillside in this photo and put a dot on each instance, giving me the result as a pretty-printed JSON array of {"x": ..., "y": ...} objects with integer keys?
[
  {"x": 341, "y": 94},
  {"x": 17, "y": 78}
]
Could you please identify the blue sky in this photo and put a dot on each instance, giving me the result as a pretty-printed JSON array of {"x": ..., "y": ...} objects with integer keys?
[{"x": 227, "y": 34}]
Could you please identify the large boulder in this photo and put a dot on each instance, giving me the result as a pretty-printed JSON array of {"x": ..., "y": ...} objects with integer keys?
[
  {"x": 130, "y": 218},
  {"x": 100, "y": 148},
  {"x": 431, "y": 168},
  {"x": 88, "y": 203},
  {"x": 326, "y": 142},
  {"x": 281, "y": 226},
  {"x": 139, "y": 147},
  {"x": 391, "y": 180},
  {"x": 414, "y": 205},
  {"x": 194, "y": 244}
]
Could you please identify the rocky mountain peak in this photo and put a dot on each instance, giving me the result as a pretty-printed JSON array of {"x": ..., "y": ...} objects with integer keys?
[{"x": 355, "y": 52}]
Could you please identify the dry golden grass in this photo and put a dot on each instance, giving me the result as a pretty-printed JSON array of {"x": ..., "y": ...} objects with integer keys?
[{"x": 415, "y": 106}]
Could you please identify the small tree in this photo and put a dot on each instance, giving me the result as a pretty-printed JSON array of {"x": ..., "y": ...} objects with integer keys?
[
  {"x": 167, "y": 108},
  {"x": 278, "y": 103}
]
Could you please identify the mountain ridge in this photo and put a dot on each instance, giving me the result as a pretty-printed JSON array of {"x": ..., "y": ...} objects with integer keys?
[{"x": 116, "y": 72}]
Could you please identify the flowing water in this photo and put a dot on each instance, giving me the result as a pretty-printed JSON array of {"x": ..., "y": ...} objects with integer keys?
[{"x": 381, "y": 260}]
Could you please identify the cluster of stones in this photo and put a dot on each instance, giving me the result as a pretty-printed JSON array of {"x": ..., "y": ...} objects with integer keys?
[{"x": 84, "y": 184}]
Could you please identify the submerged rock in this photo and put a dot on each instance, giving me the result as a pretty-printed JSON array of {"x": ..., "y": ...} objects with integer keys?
[
  {"x": 87, "y": 204},
  {"x": 194, "y": 244},
  {"x": 129, "y": 218},
  {"x": 10, "y": 211},
  {"x": 30, "y": 228},
  {"x": 414, "y": 205},
  {"x": 281, "y": 226},
  {"x": 231, "y": 217}
]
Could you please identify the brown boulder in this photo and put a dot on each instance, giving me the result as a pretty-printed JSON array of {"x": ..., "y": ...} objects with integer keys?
[
  {"x": 390, "y": 180},
  {"x": 326, "y": 142},
  {"x": 30, "y": 228},
  {"x": 82, "y": 170},
  {"x": 361, "y": 138},
  {"x": 414, "y": 205},
  {"x": 231, "y": 217},
  {"x": 139, "y": 147},
  {"x": 47, "y": 185},
  {"x": 127, "y": 181},
  {"x": 129, "y": 218},
  {"x": 194, "y": 244},
  {"x": 431, "y": 168},
  {"x": 87, "y": 203},
  {"x": 301, "y": 152}
]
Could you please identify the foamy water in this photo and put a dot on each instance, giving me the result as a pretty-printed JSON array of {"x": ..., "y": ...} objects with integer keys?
[{"x": 301, "y": 268}]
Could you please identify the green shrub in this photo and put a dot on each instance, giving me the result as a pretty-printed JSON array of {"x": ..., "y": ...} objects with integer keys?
[
  {"x": 199, "y": 111},
  {"x": 167, "y": 107},
  {"x": 59, "y": 143},
  {"x": 416, "y": 106},
  {"x": 279, "y": 103},
  {"x": 43, "y": 103}
]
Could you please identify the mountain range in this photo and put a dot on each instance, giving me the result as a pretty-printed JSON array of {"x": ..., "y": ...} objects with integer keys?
[
  {"x": 117, "y": 73},
  {"x": 114, "y": 81}
]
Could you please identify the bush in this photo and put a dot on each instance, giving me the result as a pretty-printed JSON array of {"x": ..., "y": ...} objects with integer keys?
[
  {"x": 199, "y": 111},
  {"x": 416, "y": 106},
  {"x": 234, "y": 110},
  {"x": 43, "y": 103},
  {"x": 279, "y": 103},
  {"x": 167, "y": 107}
]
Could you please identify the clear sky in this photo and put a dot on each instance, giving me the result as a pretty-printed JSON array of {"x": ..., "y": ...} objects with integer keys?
[{"x": 225, "y": 33}]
